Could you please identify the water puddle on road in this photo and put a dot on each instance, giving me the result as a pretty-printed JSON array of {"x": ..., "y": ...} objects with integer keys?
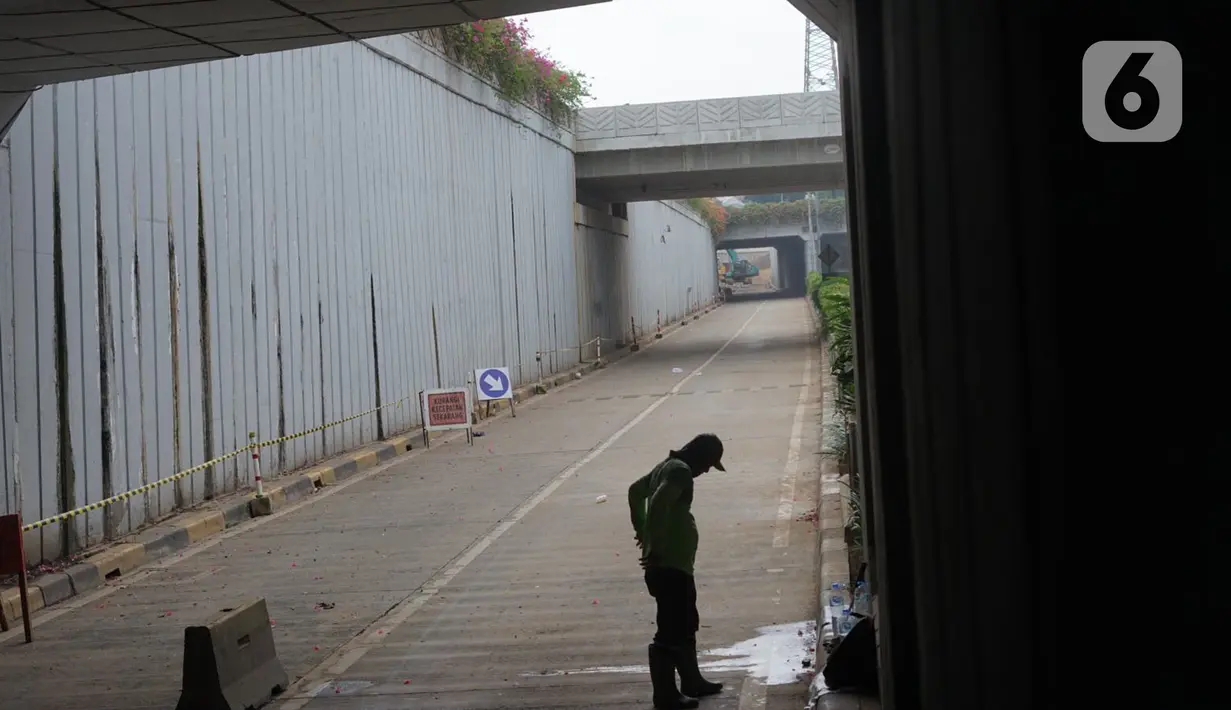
[{"x": 778, "y": 655}]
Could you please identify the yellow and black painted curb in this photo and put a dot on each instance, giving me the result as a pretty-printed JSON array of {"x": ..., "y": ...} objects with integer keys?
[
  {"x": 168, "y": 538},
  {"x": 192, "y": 526}
]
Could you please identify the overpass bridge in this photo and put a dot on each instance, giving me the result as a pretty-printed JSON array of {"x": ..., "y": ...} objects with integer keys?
[{"x": 746, "y": 145}]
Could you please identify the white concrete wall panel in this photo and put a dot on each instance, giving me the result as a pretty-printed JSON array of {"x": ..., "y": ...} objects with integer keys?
[
  {"x": 672, "y": 258},
  {"x": 659, "y": 262},
  {"x": 190, "y": 254}
]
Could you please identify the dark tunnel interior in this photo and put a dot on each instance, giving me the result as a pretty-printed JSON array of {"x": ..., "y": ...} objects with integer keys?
[{"x": 792, "y": 263}]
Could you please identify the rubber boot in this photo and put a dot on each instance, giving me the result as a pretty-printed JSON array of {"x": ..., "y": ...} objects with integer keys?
[
  {"x": 662, "y": 675},
  {"x": 691, "y": 681}
]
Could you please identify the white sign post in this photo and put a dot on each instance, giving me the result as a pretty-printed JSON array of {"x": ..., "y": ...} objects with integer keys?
[
  {"x": 493, "y": 383},
  {"x": 445, "y": 409}
]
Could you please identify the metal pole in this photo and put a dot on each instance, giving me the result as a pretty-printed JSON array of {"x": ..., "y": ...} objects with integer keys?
[
  {"x": 23, "y": 589},
  {"x": 256, "y": 462}
]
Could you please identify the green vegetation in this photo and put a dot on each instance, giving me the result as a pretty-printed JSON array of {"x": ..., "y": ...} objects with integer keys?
[
  {"x": 832, "y": 297},
  {"x": 832, "y": 211},
  {"x": 713, "y": 214},
  {"x": 499, "y": 50}
]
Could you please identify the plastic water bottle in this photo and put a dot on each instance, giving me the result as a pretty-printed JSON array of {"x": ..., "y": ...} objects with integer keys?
[
  {"x": 862, "y": 604},
  {"x": 837, "y": 604},
  {"x": 847, "y": 623}
]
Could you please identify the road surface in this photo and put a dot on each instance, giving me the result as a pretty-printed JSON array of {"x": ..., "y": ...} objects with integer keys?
[{"x": 491, "y": 576}]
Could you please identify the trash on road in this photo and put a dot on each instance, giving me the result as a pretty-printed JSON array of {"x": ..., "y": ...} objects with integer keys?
[
  {"x": 601, "y": 499},
  {"x": 677, "y": 370}
]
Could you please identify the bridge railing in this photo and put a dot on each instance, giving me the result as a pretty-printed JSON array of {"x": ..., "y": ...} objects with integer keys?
[{"x": 745, "y": 112}]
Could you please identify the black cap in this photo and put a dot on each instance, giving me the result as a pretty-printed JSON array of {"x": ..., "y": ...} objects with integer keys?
[{"x": 707, "y": 449}]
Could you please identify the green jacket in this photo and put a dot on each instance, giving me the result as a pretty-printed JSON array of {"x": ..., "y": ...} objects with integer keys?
[{"x": 661, "y": 506}]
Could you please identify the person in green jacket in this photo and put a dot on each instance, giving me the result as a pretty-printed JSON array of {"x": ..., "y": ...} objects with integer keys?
[{"x": 666, "y": 532}]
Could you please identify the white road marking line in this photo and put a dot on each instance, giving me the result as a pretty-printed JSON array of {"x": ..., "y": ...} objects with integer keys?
[
  {"x": 786, "y": 503},
  {"x": 303, "y": 691}
]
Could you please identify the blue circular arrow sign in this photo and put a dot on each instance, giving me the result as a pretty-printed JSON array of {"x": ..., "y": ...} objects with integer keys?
[{"x": 493, "y": 383}]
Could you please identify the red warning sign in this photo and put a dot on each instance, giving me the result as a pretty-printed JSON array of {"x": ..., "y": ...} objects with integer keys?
[
  {"x": 13, "y": 561},
  {"x": 12, "y": 556},
  {"x": 446, "y": 409}
]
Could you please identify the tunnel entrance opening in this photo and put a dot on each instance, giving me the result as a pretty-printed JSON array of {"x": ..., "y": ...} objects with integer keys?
[{"x": 781, "y": 266}]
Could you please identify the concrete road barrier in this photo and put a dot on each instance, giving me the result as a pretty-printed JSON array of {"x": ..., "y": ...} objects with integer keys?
[{"x": 230, "y": 663}]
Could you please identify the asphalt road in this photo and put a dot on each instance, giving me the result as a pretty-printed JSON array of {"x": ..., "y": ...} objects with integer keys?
[{"x": 491, "y": 576}]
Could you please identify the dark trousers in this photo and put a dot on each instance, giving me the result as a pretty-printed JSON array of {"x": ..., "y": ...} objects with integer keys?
[{"x": 675, "y": 592}]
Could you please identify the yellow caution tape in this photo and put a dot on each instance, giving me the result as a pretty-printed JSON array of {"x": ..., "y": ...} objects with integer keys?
[
  {"x": 129, "y": 494},
  {"x": 61, "y": 517},
  {"x": 323, "y": 427}
]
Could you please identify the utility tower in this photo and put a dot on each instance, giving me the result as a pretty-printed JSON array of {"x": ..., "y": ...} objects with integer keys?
[{"x": 820, "y": 60}]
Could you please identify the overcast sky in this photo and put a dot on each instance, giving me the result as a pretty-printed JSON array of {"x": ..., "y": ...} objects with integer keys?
[{"x": 644, "y": 51}]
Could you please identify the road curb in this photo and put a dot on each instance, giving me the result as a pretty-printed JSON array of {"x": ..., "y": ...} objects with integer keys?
[
  {"x": 173, "y": 535},
  {"x": 832, "y": 563}
]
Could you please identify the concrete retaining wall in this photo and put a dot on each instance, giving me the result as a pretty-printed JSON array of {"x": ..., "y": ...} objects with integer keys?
[
  {"x": 264, "y": 244},
  {"x": 658, "y": 261}
]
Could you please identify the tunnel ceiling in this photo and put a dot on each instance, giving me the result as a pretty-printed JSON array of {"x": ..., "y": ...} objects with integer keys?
[{"x": 52, "y": 41}]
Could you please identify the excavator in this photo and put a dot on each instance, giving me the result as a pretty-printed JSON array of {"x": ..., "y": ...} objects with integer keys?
[{"x": 738, "y": 270}]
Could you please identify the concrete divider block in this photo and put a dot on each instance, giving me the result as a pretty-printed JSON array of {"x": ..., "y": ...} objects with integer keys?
[
  {"x": 202, "y": 525},
  {"x": 84, "y": 578},
  {"x": 277, "y": 496},
  {"x": 236, "y": 512},
  {"x": 230, "y": 663},
  {"x": 345, "y": 470},
  {"x": 162, "y": 540},
  {"x": 118, "y": 560},
  {"x": 10, "y": 600},
  {"x": 386, "y": 452},
  {"x": 55, "y": 587},
  {"x": 297, "y": 487},
  {"x": 261, "y": 506},
  {"x": 366, "y": 460}
]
